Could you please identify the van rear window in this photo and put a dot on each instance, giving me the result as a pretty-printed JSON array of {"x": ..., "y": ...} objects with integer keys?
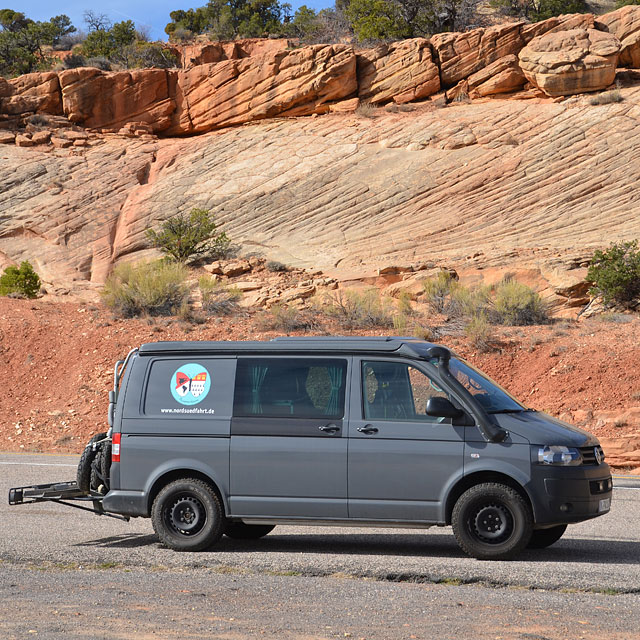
[{"x": 290, "y": 387}]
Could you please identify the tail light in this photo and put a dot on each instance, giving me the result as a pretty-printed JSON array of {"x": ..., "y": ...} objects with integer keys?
[{"x": 115, "y": 447}]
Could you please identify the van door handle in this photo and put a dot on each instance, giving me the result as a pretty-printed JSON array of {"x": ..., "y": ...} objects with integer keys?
[
  {"x": 330, "y": 428},
  {"x": 368, "y": 429}
]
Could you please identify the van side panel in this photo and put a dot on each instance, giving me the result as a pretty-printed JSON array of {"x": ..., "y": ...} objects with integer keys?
[
  {"x": 293, "y": 464},
  {"x": 163, "y": 430}
]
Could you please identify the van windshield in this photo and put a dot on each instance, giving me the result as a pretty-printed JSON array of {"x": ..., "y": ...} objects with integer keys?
[{"x": 489, "y": 394}]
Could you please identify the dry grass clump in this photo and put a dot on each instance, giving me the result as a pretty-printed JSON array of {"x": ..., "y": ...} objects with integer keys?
[
  {"x": 285, "y": 318},
  {"x": 217, "y": 299},
  {"x": 516, "y": 304},
  {"x": 151, "y": 288},
  {"x": 359, "y": 309},
  {"x": 607, "y": 97},
  {"x": 367, "y": 110}
]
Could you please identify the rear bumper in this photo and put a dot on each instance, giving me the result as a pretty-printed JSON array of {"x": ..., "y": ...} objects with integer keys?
[
  {"x": 566, "y": 495},
  {"x": 126, "y": 503}
]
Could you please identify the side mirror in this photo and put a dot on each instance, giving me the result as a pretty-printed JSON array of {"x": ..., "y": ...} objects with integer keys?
[{"x": 442, "y": 408}]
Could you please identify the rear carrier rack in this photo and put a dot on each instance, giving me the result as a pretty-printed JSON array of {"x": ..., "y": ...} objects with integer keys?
[{"x": 61, "y": 492}]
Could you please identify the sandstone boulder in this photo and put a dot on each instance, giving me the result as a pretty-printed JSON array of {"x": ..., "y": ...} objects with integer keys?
[
  {"x": 7, "y": 137},
  {"x": 192, "y": 55},
  {"x": 402, "y": 71},
  {"x": 462, "y": 54},
  {"x": 625, "y": 25},
  {"x": 37, "y": 92},
  {"x": 502, "y": 76},
  {"x": 569, "y": 62},
  {"x": 105, "y": 100},
  {"x": 557, "y": 23},
  {"x": 286, "y": 83}
]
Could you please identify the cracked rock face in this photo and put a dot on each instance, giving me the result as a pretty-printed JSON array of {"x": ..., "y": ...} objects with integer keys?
[
  {"x": 401, "y": 71},
  {"x": 569, "y": 62}
]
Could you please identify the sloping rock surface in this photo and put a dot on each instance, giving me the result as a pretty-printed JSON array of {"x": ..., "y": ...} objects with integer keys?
[
  {"x": 524, "y": 181},
  {"x": 568, "y": 62}
]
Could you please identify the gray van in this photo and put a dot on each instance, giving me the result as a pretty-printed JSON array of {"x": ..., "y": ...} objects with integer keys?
[{"x": 214, "y": 438}]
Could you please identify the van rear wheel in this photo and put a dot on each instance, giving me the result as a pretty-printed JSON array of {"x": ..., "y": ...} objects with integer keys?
[
  {"x": 187, "y": 515},
  {"x": 492, "y": 521},
  {"x": 242, "y": 531}
]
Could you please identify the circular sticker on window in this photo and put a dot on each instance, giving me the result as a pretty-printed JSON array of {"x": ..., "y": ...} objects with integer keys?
[{"x": 190, "y": 384}]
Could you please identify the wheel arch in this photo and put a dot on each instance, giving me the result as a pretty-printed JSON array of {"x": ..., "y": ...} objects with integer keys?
[
  {"x": 175, "y": 474},
  {"x": 479, "y": 477}
]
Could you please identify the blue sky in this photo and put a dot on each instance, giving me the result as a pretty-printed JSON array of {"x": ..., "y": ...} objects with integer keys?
[{"x": 152, "y": 13}]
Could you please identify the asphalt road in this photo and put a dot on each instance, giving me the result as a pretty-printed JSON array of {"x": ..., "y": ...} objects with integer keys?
[{"x": 305, "y": 582}]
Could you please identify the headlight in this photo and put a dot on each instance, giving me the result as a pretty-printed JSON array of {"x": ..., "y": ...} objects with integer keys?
[{"x": 565, "y": 456}]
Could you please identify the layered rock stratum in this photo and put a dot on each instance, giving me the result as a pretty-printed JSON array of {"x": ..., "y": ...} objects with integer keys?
[{"x": 478, "y": 186}]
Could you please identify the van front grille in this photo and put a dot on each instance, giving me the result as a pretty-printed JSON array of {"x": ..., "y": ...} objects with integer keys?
[{"x": 589, "y": 456}]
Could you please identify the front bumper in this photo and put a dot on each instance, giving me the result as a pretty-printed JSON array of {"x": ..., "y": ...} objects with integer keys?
[{"x": 564, "y": 495}]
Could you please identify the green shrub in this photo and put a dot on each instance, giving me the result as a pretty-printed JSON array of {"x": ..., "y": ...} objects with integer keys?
[
  {"x": 23, "y": 281},
  {"x": 188, "y": 237},
  {"x": 155, "y": 288},
  {"x": 218, "y": 299},
  {"x": 360, "y": 310},
  {"x": 517, "y": 304},
  {"x": 615, "y": 274}
]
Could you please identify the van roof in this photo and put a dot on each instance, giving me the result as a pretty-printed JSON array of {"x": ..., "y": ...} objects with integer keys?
[{"x": 336, "y": 344}]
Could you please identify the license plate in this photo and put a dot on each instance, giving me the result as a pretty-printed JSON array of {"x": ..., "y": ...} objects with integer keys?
[{"x": 604, "y": 505}]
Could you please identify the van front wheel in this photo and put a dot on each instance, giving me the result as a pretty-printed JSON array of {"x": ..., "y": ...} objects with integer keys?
[
  {"x": 492, "y": 521},
  {"x": 187, "y": 515}
]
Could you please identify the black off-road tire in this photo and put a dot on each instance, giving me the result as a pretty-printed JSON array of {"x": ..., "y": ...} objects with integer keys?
[
  {"x": 100, "y": 467},
  {"x": 83, "y": 476},
  {"x": 492, "y": 521},
  {"x": 543, "y": 538},
  {"x": 242, "y": 531},
  {"x": 187, "y": 515}
]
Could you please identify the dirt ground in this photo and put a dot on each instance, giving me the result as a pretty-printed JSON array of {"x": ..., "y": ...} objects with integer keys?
[{"x": 56, "y": 367}]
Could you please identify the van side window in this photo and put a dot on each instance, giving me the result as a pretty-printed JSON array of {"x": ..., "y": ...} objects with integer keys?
[
  {"x": 290, "y": 388},
  {"x": 396, "y": 391}
]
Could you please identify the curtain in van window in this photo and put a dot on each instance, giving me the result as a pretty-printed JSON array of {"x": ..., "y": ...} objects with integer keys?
[
  {"x": 258, "y": 374},
  {"x": 336, "y": 375}
]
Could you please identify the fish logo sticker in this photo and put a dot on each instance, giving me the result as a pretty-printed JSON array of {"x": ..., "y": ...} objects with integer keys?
[{"x": 190, "y": 384}]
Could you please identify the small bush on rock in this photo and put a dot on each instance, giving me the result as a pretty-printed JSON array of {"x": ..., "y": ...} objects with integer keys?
[
  {"x": 154, "y": 288},
  {"x": 276, "y": 267},
  {"x": 23, "y": 281},
  {"x": 189, "y": 237},
  {"x": 615, "y": 274},
  {"x": 606, "y": 97}
]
